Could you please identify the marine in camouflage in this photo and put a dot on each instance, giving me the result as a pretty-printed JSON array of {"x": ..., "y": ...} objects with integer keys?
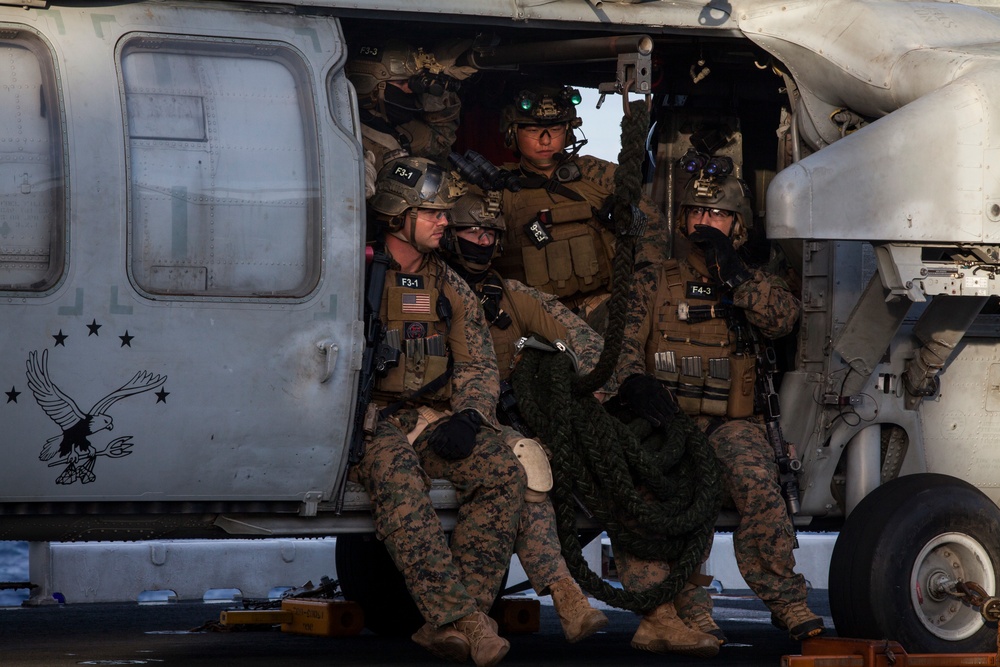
[
  {"x": 532, "y": 312},
  {"x": 764, "y": 539},
  {"x": 395, "y": 120},
  {"x": 448, "y": 581},
  {"x": 514, "y": 310}
]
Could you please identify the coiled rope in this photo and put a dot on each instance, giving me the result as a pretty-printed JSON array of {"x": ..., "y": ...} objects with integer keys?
[{"x": 655, "y": 492}]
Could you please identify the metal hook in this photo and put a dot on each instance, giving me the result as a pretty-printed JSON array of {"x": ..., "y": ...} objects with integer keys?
[{"x": 624, "y": 91}]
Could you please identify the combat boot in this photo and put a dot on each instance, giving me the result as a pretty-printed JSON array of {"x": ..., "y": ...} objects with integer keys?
[
  {"x": 703, "y": 622},
  {"x": 445, "y": 642},
  {"x": 662, "y": 631},
  {"x": 579, "y": 620},
  {"x": 487, "y": 648},
  {"x": 796, "y": 618}
]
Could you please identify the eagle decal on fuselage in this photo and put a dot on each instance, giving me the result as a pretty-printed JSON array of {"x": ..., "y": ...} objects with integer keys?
[{"x": 73, "y": 445}]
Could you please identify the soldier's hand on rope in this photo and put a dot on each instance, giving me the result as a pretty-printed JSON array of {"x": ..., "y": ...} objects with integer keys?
[
  {"x": 455, "y": 437},
  {"x": 645, "y": 396},
  {"x": 721, "y": 257}
]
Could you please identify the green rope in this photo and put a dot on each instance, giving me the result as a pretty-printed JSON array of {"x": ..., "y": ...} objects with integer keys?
[
  {"x": 656, "y": 493},
  {"x": 627, "y": 193}
]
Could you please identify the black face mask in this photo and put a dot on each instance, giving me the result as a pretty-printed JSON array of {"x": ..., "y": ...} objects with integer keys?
[
  {"x": 475, "y": 253},
  {"x": 400, "y": 107}
]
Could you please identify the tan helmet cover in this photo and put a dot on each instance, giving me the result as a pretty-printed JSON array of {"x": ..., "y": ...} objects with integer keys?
[
  {"x": 373, "y": 63},
  {"x": 473, "y": 209},
  {"x": 412, "y": 182},
  {"x": 728, "y": 193}
]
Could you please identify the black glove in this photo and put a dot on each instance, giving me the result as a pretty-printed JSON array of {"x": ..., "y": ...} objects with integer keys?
[
  {"x": 455, "y": 437},
  {"x": 721, "y": 258},
  {"x": 645, "y": 396}
]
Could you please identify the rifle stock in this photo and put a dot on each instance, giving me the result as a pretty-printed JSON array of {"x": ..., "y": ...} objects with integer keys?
[{"x": 377, "y": 358}]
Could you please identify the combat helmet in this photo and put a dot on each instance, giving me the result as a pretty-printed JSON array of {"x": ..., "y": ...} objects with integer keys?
[
  {"x": 412, "y": 182},
  {"x": 373, "y": 63},
  {"x": 541, "y": 104},
  {"x": 720, "y": 190},
  {"x": 474, "y": 209}
]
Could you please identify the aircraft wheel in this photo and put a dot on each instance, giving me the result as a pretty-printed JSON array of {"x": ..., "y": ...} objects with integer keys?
[
  {"x": 369, "y": 577},
  {"x": 902, "y": 549}
]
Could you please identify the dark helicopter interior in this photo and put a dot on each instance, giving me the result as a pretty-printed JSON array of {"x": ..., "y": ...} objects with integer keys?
[{"x": 722, "y": 93}]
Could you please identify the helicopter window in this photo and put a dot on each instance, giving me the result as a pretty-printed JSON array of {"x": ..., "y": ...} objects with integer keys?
[
  {"x": 223, "y": 168},
  {"x": 32, "y": 185}
]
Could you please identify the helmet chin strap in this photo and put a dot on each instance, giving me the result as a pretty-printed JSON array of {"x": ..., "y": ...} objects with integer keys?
[{"x": 411, "y": 222}]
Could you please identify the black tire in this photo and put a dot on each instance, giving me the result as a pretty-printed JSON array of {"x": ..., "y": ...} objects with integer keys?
[
  {"x": 901, "y": 543},
  {"x": 369, "y": 577}
]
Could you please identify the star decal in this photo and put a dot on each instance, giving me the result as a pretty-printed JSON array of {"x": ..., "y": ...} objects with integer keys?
[
  {"x": 126, "y": 339},
  {"x": 93, "y": 326},
  {"x": 60, "y": 339},
  {"x": 12, "y": 395},
  {"x": 161, "y": 396}
]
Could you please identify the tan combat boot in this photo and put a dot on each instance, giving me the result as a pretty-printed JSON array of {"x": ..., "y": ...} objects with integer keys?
[
  {"x": 703, "y": 622},
  {"x": 445, "y": 642},
  {"x": 798, "y": 620},
  {"x": 662, "y": 631},
  {"x": 487, "y": 648},
  {"x": 579, "y": 620}
]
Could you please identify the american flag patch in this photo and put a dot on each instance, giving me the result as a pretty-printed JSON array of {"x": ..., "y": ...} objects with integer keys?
[{"x": 417, "y": 303}]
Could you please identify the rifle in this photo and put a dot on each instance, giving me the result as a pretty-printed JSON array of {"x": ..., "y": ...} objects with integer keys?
[
  {"x": 508, "y": 413},
  {"x": 378, "y": 357},
  {"x": 768, "y": 405}
]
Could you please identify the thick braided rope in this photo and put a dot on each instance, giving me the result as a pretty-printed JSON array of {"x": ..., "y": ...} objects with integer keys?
[
  {"x": 655, "y": 493},
  {"x": 628, "y": 191}
]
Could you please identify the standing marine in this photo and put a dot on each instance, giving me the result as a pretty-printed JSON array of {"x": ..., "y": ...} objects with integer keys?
[{"x": 436, "y": 419}]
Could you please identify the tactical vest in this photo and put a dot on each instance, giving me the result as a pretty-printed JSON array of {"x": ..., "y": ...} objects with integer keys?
[
  {"x": 409, "y": 310},
  {"x": 553, "y": 241},
  {"x": 705, "y": 371}
]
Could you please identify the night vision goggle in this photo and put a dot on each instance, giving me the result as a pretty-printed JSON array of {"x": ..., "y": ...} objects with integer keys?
[
  {"x": 718, "y": 166},
  {"x": 430, "y": 77},
  {"x": 547, "y": 107},
  {"x": 709, "y": 172}
]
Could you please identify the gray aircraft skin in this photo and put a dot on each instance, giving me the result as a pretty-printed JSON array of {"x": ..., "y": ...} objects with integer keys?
[{"x": 182, "y": 268}]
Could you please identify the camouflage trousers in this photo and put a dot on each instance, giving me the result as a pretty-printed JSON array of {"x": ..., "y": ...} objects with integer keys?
[
  {"x": 636, "y": 574},
  {"x": 537, "y": 546},
  {"x": 446, "y": 581},
  {"x": 764, "y": 540}
]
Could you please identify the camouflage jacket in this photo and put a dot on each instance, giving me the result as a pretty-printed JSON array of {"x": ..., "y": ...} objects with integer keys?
[{"x": 535, "y": 312}]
